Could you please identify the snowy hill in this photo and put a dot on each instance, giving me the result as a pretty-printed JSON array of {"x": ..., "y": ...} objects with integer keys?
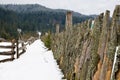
[{"x": 35, "y": 64}]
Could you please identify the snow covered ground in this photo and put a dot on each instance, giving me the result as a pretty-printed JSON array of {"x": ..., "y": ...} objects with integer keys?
[{"x": 35, "y": 64}]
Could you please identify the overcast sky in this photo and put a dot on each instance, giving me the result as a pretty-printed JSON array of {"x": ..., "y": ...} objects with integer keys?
[{"x": 82, "y": 6}]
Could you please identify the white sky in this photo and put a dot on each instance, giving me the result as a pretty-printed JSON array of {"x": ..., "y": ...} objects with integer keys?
[{"x": 82, "y": 6}]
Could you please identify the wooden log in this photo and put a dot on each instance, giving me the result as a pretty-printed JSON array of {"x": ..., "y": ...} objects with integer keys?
[
  {"x": 7, "y": 46},
  {"x": 7, "y": 53},
  {"x": 5, "y": 60}
]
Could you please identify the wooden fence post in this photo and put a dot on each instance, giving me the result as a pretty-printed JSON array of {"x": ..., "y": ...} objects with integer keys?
[
  {"x": 23, "y": 46},
  {"x": 13, "y": 52}
]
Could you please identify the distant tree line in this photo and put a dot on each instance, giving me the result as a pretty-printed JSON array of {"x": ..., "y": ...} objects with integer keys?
[{"x": 43, "y": 21}]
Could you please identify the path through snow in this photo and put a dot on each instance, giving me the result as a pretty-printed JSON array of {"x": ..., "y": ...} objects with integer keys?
[{"x": 35, "y": 64}]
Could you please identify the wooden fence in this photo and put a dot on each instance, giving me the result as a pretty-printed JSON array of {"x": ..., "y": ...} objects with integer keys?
[
  {"x": 17, "y": 48},
  {"x": 8, "y": 53}
]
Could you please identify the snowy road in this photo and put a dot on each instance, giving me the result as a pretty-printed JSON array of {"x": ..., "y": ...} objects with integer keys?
[{"x": 36, "y": 64}]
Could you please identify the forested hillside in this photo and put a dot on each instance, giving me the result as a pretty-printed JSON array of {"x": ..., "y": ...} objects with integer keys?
[
  {"x": 8, "y": 24},
  {"x": 32, "y": 18}
]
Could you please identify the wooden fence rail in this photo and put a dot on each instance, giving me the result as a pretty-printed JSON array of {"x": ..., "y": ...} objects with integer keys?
[
  {"x": 8, "y": 53},
  {"x": 17, "y": 48}
]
